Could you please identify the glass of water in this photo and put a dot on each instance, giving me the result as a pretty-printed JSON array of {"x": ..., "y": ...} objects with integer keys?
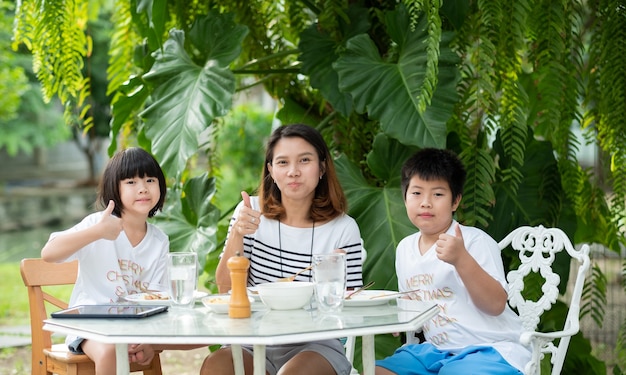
[
  {"x": 182, "y": 272},
  {"x": 329, "y": 275}
]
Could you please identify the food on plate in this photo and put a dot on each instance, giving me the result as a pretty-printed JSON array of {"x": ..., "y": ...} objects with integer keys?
[
  {"x": 155, "y": 296},
  {"x": 216, "y": 300}
]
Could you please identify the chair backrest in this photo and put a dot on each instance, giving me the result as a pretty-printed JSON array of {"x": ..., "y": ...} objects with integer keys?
[
  {"x": 537, "y": 248},
  {"x": 36, "y": 274}
]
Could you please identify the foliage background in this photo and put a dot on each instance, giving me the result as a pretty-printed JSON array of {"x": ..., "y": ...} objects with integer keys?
[{"x": 501, "y": 83}]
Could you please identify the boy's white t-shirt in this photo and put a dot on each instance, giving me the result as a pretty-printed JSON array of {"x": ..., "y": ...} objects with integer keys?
[
  {"x": 110, "y": 270},
  {"x": 460, "y": 323}
]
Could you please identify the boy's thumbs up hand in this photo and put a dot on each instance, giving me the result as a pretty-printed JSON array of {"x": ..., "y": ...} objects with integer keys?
[
  {"x": 110, "y": 225},
  {"x": 457, "y": 231},
  {"x": 451, "y": 248}
]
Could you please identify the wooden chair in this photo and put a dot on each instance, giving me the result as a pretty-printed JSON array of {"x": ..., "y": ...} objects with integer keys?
[
  {"x": 50, "y": 359},
  {"x": 537, "y": 248}
]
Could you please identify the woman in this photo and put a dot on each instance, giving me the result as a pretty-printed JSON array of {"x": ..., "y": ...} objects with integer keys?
[{"x": 300, "y": 211}]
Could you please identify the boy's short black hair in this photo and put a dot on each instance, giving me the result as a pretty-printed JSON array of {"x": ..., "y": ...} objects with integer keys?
[
  {"x": 129, "y": 163},
  {"x": 434, "y": 164}
]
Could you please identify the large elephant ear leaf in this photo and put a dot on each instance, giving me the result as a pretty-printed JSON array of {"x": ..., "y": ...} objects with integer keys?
[
  {"x": 319, "y": 52},
  {"x": 186, "y": 99},
  {"x": 219, "y": 37},
  {"x": 191, "y": 221},
  {"x": 379, "y": 210},
  {"x": 386, "y": 159},
  {"x": 389, "y": 90}
]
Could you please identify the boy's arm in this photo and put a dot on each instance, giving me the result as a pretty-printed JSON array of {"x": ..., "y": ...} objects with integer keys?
[
  {"x": 65, "y": 244},
  {"x": 485, "y": 291}
]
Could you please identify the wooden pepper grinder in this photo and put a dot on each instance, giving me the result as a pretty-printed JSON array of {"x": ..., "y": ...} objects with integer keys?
[{"x": 239, "y": 306}]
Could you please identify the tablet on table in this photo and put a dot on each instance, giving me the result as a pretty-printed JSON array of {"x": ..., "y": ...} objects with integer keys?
[{"x": 110, "y": 311}]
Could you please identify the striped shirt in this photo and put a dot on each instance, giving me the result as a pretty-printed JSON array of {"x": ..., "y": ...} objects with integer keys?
[{"x": 277, "y": 250}]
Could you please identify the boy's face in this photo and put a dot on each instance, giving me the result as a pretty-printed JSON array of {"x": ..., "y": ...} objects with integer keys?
[{"x": 430, "y": 205}]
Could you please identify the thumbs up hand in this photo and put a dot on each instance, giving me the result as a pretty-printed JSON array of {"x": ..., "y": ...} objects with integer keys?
[
  {"x": 248, "y": 220},
  {"x": 451, "y": 248},
  {"x": 110, "y": 225}
]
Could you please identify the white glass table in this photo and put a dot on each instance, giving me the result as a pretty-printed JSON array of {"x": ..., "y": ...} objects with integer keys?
[{"x": 264, "y": 327}]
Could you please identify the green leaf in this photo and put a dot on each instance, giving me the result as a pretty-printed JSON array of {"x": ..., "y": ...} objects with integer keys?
[
  {"x": 388, "y": 90},
  {"x": 189, "y": 218},
  {"x": 380, "y": 209},
  {"x": 319, "y": 52},
  {"x": 550, "y": 208},
  {"x": 126, "y": 106},
  {"x": 186, "y": 99},
  {"x": 219, "y": 37},
  {"x": 381, "y": 215}
]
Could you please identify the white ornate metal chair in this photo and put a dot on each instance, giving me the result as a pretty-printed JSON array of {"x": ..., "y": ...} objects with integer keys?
[{"x": 537, "y": 248}]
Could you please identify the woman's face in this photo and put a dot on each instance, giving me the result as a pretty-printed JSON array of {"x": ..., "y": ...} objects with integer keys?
[{"x": 295, "y": 168}]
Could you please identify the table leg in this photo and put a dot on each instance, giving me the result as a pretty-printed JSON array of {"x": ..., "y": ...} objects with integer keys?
[
  {"x": 369, "y": 355},
  {"x": 121, "y": 359},
  {"x": 237, "y": 359},
  {"x": 259, "y": 359}
]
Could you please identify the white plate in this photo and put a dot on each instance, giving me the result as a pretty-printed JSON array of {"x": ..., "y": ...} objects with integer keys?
[
  {"x": 147, "y": 298},
  {"x": 254, "y": 293},
  {"x": 364, "y": 298},
  {"x": 199, "y": 295},
  {"x": 219, "y": 303}
]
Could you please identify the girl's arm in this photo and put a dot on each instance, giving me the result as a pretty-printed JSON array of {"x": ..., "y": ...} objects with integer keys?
[{"x": 65, "y": 244}]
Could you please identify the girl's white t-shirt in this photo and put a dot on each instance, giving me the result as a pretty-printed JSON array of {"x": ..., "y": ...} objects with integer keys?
[
  {"x": 110, "y": 270},
  {"x": 460, "y": 323}
]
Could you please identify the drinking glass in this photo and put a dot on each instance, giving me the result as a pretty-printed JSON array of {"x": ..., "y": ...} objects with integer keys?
[
  {"x": 329, "y": 275},
  {"x": 183, "y": 275}
]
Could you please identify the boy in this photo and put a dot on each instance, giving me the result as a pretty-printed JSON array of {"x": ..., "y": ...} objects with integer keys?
[{"x": 461, "y": 270}]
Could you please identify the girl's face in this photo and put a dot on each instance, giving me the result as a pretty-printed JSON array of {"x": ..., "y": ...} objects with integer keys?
[
  {"x": 430, "y": 205},
  {"x": 139, "y": 195},
  {"x": 295, "y": 168}
]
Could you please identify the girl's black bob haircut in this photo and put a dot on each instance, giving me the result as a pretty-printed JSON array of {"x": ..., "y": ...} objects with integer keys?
[{"x": 129, "y": 163}]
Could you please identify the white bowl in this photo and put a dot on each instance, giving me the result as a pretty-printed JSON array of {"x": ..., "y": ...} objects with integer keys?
[
  {"x": 290, "y": 295},
  {"x": 217, "y": 303}
]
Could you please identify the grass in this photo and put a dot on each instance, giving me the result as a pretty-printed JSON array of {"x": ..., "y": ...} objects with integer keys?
[
  {"x": 14, "y": 309},
  {"x": 14, "y": 301}
]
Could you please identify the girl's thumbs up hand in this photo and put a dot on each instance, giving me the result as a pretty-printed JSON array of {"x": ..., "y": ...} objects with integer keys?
[{"x": 110, "y": 225}]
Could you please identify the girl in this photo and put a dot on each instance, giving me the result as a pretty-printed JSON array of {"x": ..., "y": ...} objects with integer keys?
[
  {"x": 300, "y": 211},
  {"x": 118, "y": 251}
]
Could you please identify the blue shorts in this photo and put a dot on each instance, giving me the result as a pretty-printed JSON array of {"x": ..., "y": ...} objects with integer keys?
[{"x": 425, "y": 359}]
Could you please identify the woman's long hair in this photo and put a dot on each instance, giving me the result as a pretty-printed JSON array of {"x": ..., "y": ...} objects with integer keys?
[{"x": 329, "y": 200}]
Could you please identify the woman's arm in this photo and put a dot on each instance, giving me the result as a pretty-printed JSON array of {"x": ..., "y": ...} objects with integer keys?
[{"x": 246, "y": 222}]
